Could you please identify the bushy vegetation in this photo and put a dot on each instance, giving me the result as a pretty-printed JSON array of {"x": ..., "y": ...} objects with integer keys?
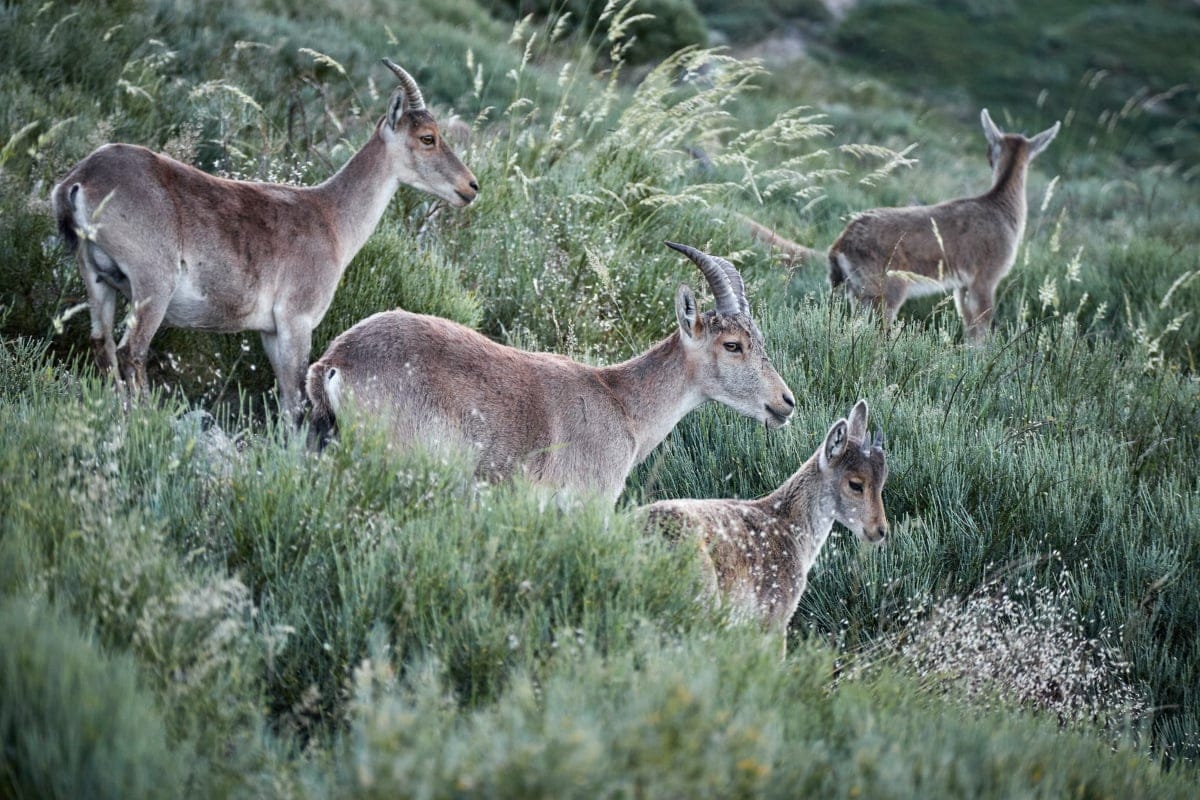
[
  {"x": 652, "y": 29},
  {"x": 191, "y": 604}
]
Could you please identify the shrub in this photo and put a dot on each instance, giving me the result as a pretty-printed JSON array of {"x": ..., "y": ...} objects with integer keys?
[
  {"x": 74, "y": 720},
  {"x": 670, "y": 25}
]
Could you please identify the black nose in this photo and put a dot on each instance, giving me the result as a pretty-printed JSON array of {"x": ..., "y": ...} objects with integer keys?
[
  {"x": 883, "y": 532},
  {"x": 791, "y": 401},
  {"x": 475, "y": 186}
]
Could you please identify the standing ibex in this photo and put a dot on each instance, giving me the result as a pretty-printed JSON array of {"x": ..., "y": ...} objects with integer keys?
[
  {"x": 758, "y": 552},
  {"x": 196, "y": 251},
  {"x": 967, "y": 245},
  {"x": 559, "y": 422}
]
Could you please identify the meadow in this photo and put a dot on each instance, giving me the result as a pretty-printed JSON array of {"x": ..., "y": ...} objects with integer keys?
[{"x": 193, "y": 605}]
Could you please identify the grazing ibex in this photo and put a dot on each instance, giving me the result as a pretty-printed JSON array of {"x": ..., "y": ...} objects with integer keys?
[
  {"x": 967, "y": 245},
  {"x": 192, "y": 250},
  {"x": 758, "y": 553},
  {"x": 561, "y": 423}
]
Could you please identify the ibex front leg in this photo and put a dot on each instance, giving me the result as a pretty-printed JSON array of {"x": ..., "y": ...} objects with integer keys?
[{"x": 287, "y": 349}]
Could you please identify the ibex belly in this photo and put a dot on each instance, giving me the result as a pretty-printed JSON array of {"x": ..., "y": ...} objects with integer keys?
[{"x": 201, "y": 304}]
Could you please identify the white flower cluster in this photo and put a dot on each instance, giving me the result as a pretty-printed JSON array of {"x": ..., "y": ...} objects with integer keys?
[{"x": 1020, "y": 645}]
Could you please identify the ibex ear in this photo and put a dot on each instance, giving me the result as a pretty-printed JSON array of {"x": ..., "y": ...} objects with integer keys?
[
  {"x": 993, "y": 134},
  {"x": 1038, "y": 143},
  {"x": 858, "y": 422},
  {"x": 686, "y": 313},
  {"x": 835, "y": 444},
  {"x": 397, "y": 105}
]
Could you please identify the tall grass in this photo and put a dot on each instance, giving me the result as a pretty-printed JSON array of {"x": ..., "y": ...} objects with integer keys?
[{"x": 370, "y": 622}]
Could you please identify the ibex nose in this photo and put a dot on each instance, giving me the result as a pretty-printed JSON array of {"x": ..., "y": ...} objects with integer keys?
[
  {"x": 791, "y": 401},
  {"x": 474, "y": 185},
  {"x": 883, "y": 532}
]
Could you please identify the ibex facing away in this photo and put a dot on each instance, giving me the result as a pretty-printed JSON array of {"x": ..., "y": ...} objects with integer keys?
[
  {"x": 561, "y": 423},
  {"x": 887, "y": 255},
  {"x": 758, "y": 553},
  {"x": 192, "y": 250}
]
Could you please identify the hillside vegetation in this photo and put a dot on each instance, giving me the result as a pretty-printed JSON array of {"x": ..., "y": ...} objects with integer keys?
[{"x": 192, "y": 605}]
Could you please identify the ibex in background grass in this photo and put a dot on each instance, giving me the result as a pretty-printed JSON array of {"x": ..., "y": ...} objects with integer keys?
[
  {"x": 192, "y": 250},
  {"x": 968, "y": 245},
  {"x": 561, "y": 423},
  {"x": 757, "y": 553}
]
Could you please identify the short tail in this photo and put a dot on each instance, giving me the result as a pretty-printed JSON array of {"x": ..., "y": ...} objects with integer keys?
[
  {"x": 322, "y": 385},
  {"x": 63, "y": 200},
  {"x": 794, "y": 252}
]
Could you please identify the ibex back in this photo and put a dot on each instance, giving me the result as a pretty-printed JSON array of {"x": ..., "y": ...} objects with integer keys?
[
  {"x": 196, "y": 251},
  {"x": 757, "y": 553},
  {"x": 561, "y": 423}
]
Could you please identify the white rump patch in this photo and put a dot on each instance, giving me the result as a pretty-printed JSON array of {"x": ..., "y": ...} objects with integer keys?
[{"x": 333, "y": 388}]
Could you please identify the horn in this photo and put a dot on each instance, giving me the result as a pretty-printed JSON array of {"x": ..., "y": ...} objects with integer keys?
[
  {"x": 878, "y": 440},
  {"x": 718, "y": 279},
  {"x": 412, "y": 93},
  {"x": 736, "y": 283}
]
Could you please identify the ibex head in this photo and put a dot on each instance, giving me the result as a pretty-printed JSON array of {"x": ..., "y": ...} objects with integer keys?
[
  {"x": 725, "y": 348},
  {"x": 1002, "y": 147},
  {"x": 855, "y": 469},
  {"x": 420, "y": 155}
]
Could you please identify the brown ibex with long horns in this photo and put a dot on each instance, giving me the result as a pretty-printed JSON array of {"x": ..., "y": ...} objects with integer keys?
[
  {"x": 561, "y": 423},
  {"x": 192, "y": 250}
]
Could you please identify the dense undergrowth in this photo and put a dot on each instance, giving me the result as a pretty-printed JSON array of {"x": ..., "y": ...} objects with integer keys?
[{"x": 193, "y": 605}]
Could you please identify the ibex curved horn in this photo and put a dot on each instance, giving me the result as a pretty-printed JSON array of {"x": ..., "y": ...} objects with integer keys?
[
  {"x": 736, "y": 283},
  {"x": 412, "y": 92},
  {"x": 728, "y": 300}
]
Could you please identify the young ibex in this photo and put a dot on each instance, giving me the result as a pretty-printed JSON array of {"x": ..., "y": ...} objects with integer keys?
[
  {"x": 196, "y": 251},
  {"x": 561, "y": 423},
  {"x": 757, "y": 553},
  {"x": 967, "y": 245}
]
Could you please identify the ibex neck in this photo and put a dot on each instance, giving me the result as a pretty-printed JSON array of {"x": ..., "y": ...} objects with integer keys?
[
  {"x": 807, "y": 505},
  {"x": 358, "y": 195},
  {"x": 1008, "y": 189},
  {"x": 655, "y": 391}
]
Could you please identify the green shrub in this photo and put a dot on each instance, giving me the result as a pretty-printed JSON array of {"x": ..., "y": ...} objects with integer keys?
[
  {"x": 671, "y": 25},
  {"x": 75, "y": 721}
]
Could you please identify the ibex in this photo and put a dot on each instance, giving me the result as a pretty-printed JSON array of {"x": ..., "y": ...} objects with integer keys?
[
  {"x": 967, "y": 245},
  {"x": 561, "y": 423},
  {"x": 757, "y": 553},
  {"x": 192, "y": 250}
]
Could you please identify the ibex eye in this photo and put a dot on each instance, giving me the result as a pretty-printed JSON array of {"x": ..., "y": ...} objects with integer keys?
[
  {"x": 856, "y": 487},
  {"x": 733, "y": 347},
  {"x": 427, "y": 139}
]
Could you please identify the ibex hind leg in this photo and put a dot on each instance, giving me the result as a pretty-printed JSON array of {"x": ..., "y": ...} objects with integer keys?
[
  {"x": 150, "y": 291},
  {"x": 146, "y": 317},
  {"x": 102, "y": 307}
]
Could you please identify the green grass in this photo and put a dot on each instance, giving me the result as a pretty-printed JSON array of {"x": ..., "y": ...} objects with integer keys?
[{"x": 209, "y": 610}]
